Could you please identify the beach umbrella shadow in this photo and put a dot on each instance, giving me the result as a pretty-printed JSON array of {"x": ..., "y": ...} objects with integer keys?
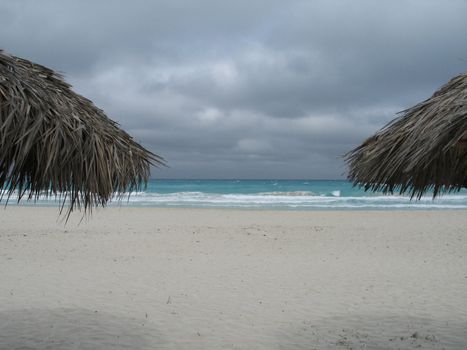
[
  {"x": 55, "y": 142},
  {"x": 424, "y": 149}
]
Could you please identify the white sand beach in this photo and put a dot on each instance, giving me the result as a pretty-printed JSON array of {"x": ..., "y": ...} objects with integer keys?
[{"x": 147, "y": 278}]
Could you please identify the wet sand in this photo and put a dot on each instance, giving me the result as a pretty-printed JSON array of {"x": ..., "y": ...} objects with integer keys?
[{"x": 145, "y": 278}]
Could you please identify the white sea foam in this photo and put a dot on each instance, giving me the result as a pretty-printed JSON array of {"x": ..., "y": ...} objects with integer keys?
[
  {"x": 276, "y": 200},
  {"x": 296, "y": 200},
  {"x": 287, "y": 193}
]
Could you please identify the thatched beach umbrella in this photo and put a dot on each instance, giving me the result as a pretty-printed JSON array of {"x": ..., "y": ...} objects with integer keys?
[
  {"x": 424, "y": 149},
  {"x": 56, "y": 142}
]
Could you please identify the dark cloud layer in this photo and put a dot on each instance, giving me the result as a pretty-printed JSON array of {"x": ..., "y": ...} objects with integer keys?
[{"x": 245, "y": 89}]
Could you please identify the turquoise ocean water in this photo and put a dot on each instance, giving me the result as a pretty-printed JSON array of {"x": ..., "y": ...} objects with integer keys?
[
  {"x": 281, "y": 194},
  {"x": 272, "y": 194}
]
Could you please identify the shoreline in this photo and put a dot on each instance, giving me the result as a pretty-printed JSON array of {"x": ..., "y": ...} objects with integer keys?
[
  {"x": 114, "y": 207},
  {"x": 269, "y": 195}
]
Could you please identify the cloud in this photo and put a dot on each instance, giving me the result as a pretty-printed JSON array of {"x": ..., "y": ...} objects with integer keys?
[{"x": 254, "y": 89}]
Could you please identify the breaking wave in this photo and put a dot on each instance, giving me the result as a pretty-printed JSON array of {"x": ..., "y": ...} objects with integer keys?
[{"x": 295, "y": 200}]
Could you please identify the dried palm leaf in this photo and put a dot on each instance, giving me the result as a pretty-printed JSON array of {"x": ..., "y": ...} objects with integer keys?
[
  {"x": 55, "y": 142},
  {"x": 424, "y": 149}
]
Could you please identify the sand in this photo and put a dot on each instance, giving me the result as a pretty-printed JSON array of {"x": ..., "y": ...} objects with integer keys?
[{"x": 146, "y": 278}]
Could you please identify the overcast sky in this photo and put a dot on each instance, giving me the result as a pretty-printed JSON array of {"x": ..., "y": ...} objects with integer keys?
[{"x": 245, "y": 89}]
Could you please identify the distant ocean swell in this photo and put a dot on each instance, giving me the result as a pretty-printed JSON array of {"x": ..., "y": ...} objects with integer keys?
[{"x": 270, "y": 194}]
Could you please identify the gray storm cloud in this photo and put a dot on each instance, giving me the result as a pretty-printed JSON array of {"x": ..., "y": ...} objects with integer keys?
[{"x": 245, "y": 89}]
